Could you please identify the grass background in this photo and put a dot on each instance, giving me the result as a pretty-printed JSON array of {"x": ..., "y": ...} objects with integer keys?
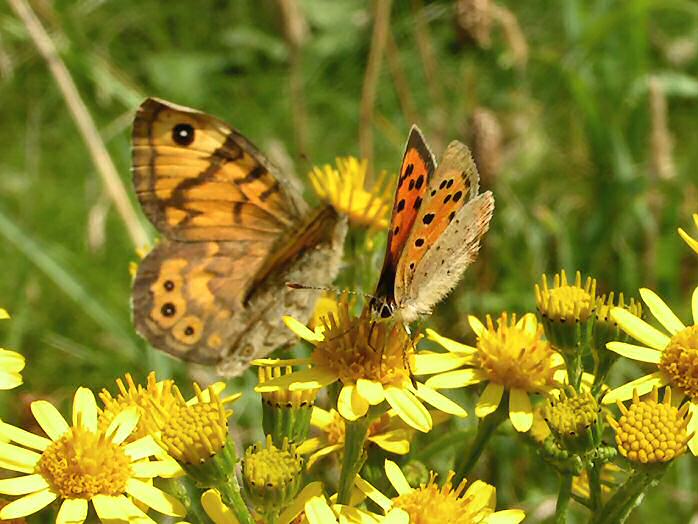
[{"x": 578, "y": 184}]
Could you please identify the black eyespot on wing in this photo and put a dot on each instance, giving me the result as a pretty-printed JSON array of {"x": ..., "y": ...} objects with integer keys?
[
  {"x": 183, "y": 134},
  {"x": 443, "y": 184},
  {"x": 420, "y": 181},
  {"x": 168, "y": 285},
  {"x": 448, "y": 197},
  {"x": 428, "y": 218},
  {"x": 449, "y": 184},
  {"x": 411, "y": 186},
  {"x": 457, "y": 195},
  {"x": 419, "y": 242},
  {"x": 401, "y": 205},
  {"x": 433, "y": 192},
  {"x": 168, "y": 309},
  {"x": 411, "y": 265},
  {"x": 409, "y": 169},
  {"x": 450, "y": 217},
  {"x": 418, "y": 203},
  {"x": 396, "y": 230},
  {"x": 189, "y": 331}
]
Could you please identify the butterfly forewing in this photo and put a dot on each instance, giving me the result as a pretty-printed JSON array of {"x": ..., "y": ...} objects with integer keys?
[{"x": 199, "y": 179}]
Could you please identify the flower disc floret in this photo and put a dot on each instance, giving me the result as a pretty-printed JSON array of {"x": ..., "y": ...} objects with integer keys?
[
  {"x": 566, "y": 301},
  {"x": 679, "y": 360},
  {"x": 82, "y": 464}
]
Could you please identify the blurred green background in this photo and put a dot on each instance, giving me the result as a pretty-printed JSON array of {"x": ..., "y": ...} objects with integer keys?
[{"x": 582, "y": 116}]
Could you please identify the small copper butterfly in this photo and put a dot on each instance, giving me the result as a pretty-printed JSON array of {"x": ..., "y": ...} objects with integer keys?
[{"x": 436, "y": 225}]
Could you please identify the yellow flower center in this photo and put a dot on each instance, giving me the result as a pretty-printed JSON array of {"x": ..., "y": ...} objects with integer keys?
[
  {"x": 195, "y": 433},
  {"x": 680, "y": 361},
  {"x": 570, "y": 416},
  {"x": 564, "y": 302},
  {"x": 271, "y": 468},
  {"x": 430, "y": 504},
  {"x": 283, "y": 398},
  {"x": 649, "y": 431},
  {"x": 514, "y": 357},
  {"x": 82, "y": 464},
  {"x": 356, "y": 348},
  {"x": 130, "y": 394}
]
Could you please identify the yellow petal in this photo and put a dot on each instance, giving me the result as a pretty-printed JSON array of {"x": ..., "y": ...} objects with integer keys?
[
  {"x": 440, "y": 401},
  {"x": 73, "y": 511},
  {"x": 321, "y": 453},
  {"x": 142, "y": 448},
  {"x": 218, "y": 512},
  {"x": 431, "y": 363},
  {"x": 23, "y": 485},
  {"x": 450, "y": 344},
  {"x": 10, "y": 380},
  {"x": 370, "y": 390},
  {"x": 477, "y": 326},
  {"x": 396, "y": 516},
  {"x": 4, "y": 315},
  {"x": 409, "y": 408},
  {"x": 350, "y": 404},
  {"x": 85, "y": 409},
  {"x": 317, "y": 511},
  {"x": 692, "y": 243},
  {"x": 314, "y": 489},
  {"x": 313, "y": 378},
  {"x": 23, "y": 437},
  {"x": 639, "y": 329},
  {"x": 18, "y": 459},
  {"x": 489, "y": 400},
  {"x": 661, "y": 311},
  {"x": 11, "y": 361},
  {"x": 643, "y": 385},
  {"x": 520, "y": 412},
  {"x": 397, "y": 478},
  {"x": 460, "y": 378},
  {"x": 694, "y": 305},
  {"x": 50, "y": 420},
  {"x": 118, "y": 509},
  {"x": 309, "y": 445},
  {"x": 302, "y": 331},
  {"x": 28, "y": 505},
  {"x": 123, "y": 424},
  {"x": 481, "y": 495},
  {"x": 634, "y": 352},
  {"x": 155, "y": 498},
  {"x": 395, "y": 441},
  {"x": 321, "y": 418},
  {"x": 507, "y": 516},
  {"x": 375, "y": 495},
  {"x": 149, "y": 469},
  {"x": 528, "y": 324}
]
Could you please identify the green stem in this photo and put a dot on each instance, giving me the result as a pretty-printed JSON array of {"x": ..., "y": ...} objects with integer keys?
[
  {"x": 186, "y": 491},
  {"x": 353, "y": 457},
  {"x": 628, "y": 496},
  {"x": 574, "y": 368},
  {"x": 563, "y": 498},
  {"x": 230, "y": 494},
  {"x": 485, "y": 429},
  {"x": 594, "y": 475}
]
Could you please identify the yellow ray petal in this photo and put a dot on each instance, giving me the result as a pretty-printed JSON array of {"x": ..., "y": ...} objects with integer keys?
[
  {"x": 661, "y": 311},
  {"x": 142, "y": 448},
  {"x": 321, "y": 453},
  {"x": 439, "y": 401},
  {"x": 320, "y": 418},
  {"x": 370, "y": 390},
  {"x": 50, "y": 420},
  {"x": 477, "y": 326},
  {"x": 314, "y": 378},
  {"x": 397, "y": 478},
  {"x": 520, "y": 412},
  {"x": 23, "y": 485},
  {"x": 123, "y": 424},
  {"x": 218, "y": 512},
  {"x": 693, "y": 428},
  {"x": 450, "y": 344},
  {"x": 639, "y": 329},
  {"x": 155, "y": 498},
  {"x": 409, "y": 408},
  {"x": 85, "y": 409},
  {"x": 694, "y": 306},
  {"x": 23, "y": 437},
  {"x": 15, "y": 457},
  {"x": 643, "y": 385},
  {"x": 350, "y": 404},
  {"x": 507, "y": 516},
  {"x": 4, "y": 315},
  {"x": 317, "y": 511},
  {"x": 302, "y": 331},
  {"x": 314, "y": 489},
  {"x": 309, "y": 445},
  {"x": 489, "y": 400},
  {"x": 372, "y": 493},
  {"x": 634, "y": 352},
  {"x": 10, "y": 380},
  {"x": 395, "y": 441},
  {"x": 432, "y": 363},
  {"x": 156, "y": 468},
  {"x": 396, "y": 516},
  {"x": 73, "y": 511},
  {"x": 11, "y": 361},
  {"x": 481, "y": 495},
  {"x": 692, "y": 243},
  {"x": 28, "y": 505},
  {"x": 460, "y": 378}
]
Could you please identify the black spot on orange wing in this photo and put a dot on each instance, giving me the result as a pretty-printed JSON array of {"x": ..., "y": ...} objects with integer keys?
[{"x": 428, "y": 218}]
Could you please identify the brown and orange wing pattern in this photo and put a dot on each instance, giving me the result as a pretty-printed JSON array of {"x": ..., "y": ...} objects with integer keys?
[{"x": 200, "y": 180}]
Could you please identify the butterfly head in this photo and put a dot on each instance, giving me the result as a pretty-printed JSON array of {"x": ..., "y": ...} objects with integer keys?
[{"x": 381, "y": 309}]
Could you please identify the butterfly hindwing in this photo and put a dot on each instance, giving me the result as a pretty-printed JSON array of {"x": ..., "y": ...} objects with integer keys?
[{"x": 199, "y": 179}]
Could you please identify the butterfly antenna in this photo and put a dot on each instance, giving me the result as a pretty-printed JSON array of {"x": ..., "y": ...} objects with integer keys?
[{"x": 296, "y": 285}]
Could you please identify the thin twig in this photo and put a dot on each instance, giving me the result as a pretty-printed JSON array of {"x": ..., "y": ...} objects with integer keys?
[
  {"x": 402, "y": 85},
  {"x": 98, "y": 151},
  {"x": 381, "y": 25}
]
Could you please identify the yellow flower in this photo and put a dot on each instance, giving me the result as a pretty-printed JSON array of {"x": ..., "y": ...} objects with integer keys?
[
  {"x": 431, "y": 504},
  {"x": 611, "y": 477},
  {"x": 82, "y": 464},
  {"x": 373, "y": 362},
  {"x": 692, "y": 242},
  {"x": 344, "y": 189},
  {"x": 385, "y": 432},
  {"x": 11, "y": 363},
  {"x": 675, "y": 354},
  {"x": 512, "y": 357},
  {"x": 651, "y": 431}
]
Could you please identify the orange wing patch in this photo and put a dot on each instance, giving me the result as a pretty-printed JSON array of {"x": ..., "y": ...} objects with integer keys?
[{"x": 199, "y": 179}]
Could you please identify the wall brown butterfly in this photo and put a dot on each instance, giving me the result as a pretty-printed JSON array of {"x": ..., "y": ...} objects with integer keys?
[{"x": 234, "y": 231}]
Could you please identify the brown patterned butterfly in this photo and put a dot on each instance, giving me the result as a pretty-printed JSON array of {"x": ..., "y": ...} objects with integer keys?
[
  {"x": 234, "y": 231},
  {"x": 437, "y": 223}
]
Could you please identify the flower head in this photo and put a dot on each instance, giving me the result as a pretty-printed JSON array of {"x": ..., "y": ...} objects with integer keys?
[
  {"x": 344, "y": 189},
  {"x": 11, "y": 363},
  {"x": 431, "y": 504},
  {"x": 692, "y": 242},
  {"x": 675, "y": 355},
  {"x": 81, "y": 464},
  {"x": 650, "y": 431},
  {"x": 605, "y": 328},
  {"x": 373, "y": 361},
  {"x": 511, "y": 356},
  {"x": 572, "y": 419}
]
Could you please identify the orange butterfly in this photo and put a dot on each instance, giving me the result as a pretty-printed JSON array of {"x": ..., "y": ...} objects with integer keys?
[
  {"x": 235, "y": 230},
  {"x": 437, "y": 222}
]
